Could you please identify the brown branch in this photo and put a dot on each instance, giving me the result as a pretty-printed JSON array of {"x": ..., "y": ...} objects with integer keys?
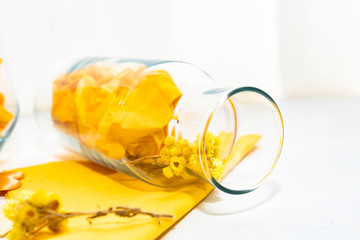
[{"x": 118, "y": 211}]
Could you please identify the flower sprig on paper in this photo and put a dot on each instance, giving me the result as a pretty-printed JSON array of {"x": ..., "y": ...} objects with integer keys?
[{"x": 33, "y": 211}]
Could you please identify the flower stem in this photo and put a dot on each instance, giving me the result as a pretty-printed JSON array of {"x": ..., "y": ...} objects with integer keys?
[{"x": 119, "y": 211}]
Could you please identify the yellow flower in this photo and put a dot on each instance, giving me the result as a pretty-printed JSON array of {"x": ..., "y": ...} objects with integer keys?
[
  {"x": 165, "y": 154},
  {"x": 18, "y": 233},
  {"x": 39, "y": 198},
  {"x": 181, "y": 155},
  {"x": 177, "y": 164},
  {"x": 25, "y": 194},
  {"x": 175, "y": 151},
  {"x": 182, "y": 143},
  {"x": 10, "y": 209},
  {"x": 210, "y": 138},
  {"x": 217, "y": 168},
  {"x": 28, "y": 215},
  {"x": 53, "y": 202},
  {"x": 169, "y": 140},
  {"x": 168, "y": 172},
  {"x": 29, "y": 211},
  {"x": 194, "y": 163},
  {"x": 58, "y": 224},
  {"x": 187, "y": 151}
]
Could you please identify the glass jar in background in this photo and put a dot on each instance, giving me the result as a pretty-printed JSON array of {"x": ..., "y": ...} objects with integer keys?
[
  {"x": 167, "y": 123},
  {"x": 9, "y": 109}
]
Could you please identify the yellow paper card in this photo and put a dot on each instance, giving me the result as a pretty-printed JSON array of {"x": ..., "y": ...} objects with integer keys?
[{"x": 87, "y": 186}]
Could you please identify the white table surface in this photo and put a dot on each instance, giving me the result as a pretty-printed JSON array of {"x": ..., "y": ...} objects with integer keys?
[{"x": 314, "y": 192}]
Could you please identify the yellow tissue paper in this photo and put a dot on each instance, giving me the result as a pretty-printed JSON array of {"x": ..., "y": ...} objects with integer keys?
[
  {"x": 5, "y": 116},
  {"x": 116, "y": 109}
]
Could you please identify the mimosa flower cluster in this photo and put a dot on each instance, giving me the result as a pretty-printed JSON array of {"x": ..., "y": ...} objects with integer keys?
[
  {"x": 33, "y": 211},
  {"x": 182, "y": 155}
]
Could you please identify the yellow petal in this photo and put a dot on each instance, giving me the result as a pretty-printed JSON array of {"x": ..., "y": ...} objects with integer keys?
[
  {"x": 112, "y": 149},
  {"x": 5, "y": 116},
  {"x": 144, "y": 108},
  {"x": 112, "y": 106},
  {"x": 63, "y": 106},
  {"x": 2, "y": 99},
  {"x": 166, "y": 86},
  {"x": 91, "y": 103}
]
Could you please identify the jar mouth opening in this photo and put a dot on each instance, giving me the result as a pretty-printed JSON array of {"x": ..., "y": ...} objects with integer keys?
[{"x": 235, "y": 99}]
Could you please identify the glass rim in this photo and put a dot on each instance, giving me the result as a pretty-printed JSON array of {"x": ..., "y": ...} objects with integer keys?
[{"x": 204, "y": 163}]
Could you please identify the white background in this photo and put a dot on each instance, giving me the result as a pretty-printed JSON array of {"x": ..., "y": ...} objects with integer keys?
[
  {"x": 288, "y": 48},
  {"x": 305, "y": 53}
]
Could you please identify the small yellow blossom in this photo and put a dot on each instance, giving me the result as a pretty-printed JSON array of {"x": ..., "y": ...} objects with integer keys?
[
  {"x": 18, "y": 233},
  {"x": 28, "y": 215},
  {"x": 169, "y": 141},
  {"x": 29, "y": 212},
  {"x": 165, "y": 154},
  {"x": 53, "y": 202},
  {"x": 182, "y": 143},
  {"x": 33, "y": 212},
  {"x": 187, "y": 151},
  {"x": 193, "y": 161},
  {"x": 189, "y": 158},
  {"x": 217, "y": 168},
  {"x": 58, "y": 224},
  {"x": 177, "y": 164},
  {"x": 39, "y": 198},
  {"x": 168, "y": 172},
  {"x": 9, "y": 209},
  {"x": 25, "y": 194},
  {"x": 175, "y": 151}
]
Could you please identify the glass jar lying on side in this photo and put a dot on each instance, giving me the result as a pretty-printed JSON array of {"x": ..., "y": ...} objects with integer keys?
[
  {"x": 165, "y": 122},
  {"x": 9, "y": 109}
]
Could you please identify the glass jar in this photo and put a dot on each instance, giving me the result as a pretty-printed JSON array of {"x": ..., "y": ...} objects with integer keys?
[
  {"x": 167, "y": 123},
  {"x": 9, "y": 109}
]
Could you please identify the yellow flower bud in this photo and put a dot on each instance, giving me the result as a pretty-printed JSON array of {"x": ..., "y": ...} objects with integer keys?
[
  {"x": 175, "y": 151},
  {"x": 169, "y": 140},
  {"x": 187, "y": 151},
  {"x": 28, "y": 216},
  {"x": 18, "y": 233},
  {"x": 168, "y": 172},
  {"x": 217, "y": 168},
  {"x": 165, "y": 154},
  {"x": 10, "y": 209},
  {"x": 54, "y": 202},
  {"x": 177, "y": 164},
  {"x": 39, "y": 198},
  {"x": 210, "y": 138},
  {"x": 58, "y": 224},
  {"x": 182, "y": 143}
]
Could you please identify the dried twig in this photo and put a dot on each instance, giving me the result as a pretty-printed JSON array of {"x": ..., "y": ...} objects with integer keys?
[{"x": 118, "y": 211}]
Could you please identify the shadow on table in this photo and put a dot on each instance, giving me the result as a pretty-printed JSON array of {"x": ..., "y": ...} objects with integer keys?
[
  {"x": 116, "y": 176},
  {"x": 131, "y": 181},
  {"x": 220, "y": 203}
]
